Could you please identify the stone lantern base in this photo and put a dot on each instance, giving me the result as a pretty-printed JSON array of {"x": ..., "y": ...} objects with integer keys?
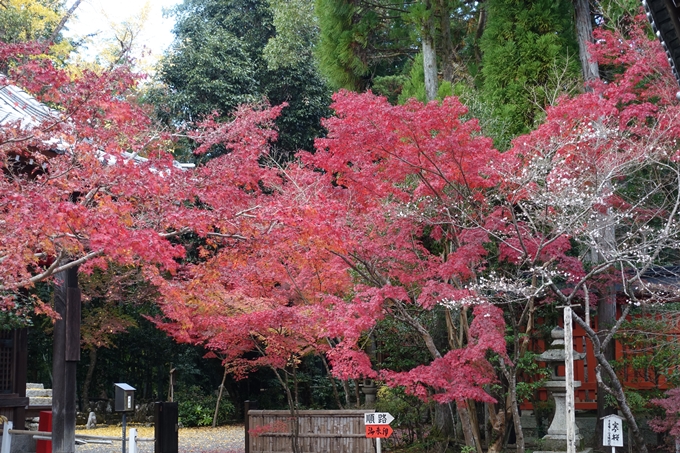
[{"x": 556, "y": 444}]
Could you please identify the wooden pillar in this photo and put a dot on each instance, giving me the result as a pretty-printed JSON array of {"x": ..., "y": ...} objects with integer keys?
[
  {"x": 65, "y": 358},
  {"x": 21, "y": 354}
]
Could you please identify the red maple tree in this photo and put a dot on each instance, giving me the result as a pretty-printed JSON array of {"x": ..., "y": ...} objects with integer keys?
[
  {"x": 336, "y": 242},
  {"x": 87, "y": 179},
  {"x": 401, "y": 209}
]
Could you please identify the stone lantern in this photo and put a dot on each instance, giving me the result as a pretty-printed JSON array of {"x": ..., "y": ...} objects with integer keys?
[
  {"x": 369, "y": 388},
  {"x": 554, "y": 357}
]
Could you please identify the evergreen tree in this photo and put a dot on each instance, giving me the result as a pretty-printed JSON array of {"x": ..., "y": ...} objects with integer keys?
[
  {"x": 217, "y": 62},
  {"x": 361, "y": 41},
  {"x": 528, "y": 49},
  {"x": 297, "y": 32},
  {"x": 376, "y": 44},
  {"x": 208, "y": 70}
]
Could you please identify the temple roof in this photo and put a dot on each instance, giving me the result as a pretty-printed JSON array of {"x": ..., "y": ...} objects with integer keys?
[
  {"x": 663, "y": 15},
  {"x": 18, "y": 106}
]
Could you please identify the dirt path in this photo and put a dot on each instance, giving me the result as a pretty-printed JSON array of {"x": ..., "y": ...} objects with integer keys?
[{"x": 223, "y": 439}]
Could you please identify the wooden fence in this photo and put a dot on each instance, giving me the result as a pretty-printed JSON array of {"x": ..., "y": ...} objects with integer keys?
[{"x": 337, "y": 431}]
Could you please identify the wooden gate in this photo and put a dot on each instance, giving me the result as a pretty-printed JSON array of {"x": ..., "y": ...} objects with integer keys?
[{"x": 337, "y": 431}]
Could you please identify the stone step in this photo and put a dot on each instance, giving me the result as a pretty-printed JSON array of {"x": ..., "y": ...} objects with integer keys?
[
  {"x": 43, "y": 393},
  {"x": 40, "y": 401},
  {"x": 34, "y": 386}
]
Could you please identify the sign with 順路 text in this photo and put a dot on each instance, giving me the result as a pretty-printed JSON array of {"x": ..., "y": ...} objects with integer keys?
[{"x": 378, "y": 418}]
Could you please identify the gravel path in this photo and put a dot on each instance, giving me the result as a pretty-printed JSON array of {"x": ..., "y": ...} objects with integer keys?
[{"x": 224, "y": 439}]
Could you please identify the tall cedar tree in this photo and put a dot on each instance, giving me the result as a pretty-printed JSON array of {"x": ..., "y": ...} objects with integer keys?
[
  {"x": 373, "y": 45},
  {"x": 526, "y": 45},
  {"x": 360, "y": 41}
]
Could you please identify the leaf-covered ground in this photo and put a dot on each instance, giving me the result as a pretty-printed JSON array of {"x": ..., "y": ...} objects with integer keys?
[{"x": 223, "y": 439}]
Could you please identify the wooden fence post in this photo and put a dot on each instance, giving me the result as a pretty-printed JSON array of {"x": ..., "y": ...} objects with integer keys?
[{"x": 248, "y": 405}]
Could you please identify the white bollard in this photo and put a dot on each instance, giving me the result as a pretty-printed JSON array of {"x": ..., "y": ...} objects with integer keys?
[
  {"x": 133, "y": 440},
  {"x": 6, "y": 438}
]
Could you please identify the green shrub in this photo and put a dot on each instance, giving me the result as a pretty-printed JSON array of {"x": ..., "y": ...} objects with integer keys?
[
  {"x": 196, "y": 408},
  {"x": 410, "y": 415}
]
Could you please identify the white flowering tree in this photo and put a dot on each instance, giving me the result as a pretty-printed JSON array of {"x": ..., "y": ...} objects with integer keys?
[{"x": 587, "y": 207}]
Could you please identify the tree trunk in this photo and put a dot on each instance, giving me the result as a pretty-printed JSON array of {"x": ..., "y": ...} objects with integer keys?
[
  {"x": 292, "y": 406},
  {"x": 511, "y": 401},
  {"x": 474, "y": 420},
  {"x": 584, "y": 34},
  {"x": 443, "y": 419},
  {"x": 429, "y": 54},
  {"x": 517, "y": 421},
  {"x": 336, "y": 395},
  {"x": 615, "y": 389},
  {"x": 470, "y": 432},
  {"x": 606, "y": 316},
  {"x": 481, "y": 24},
  {"x": 345, "y": 387},
  {"x": 62, "y": 23},
  {"x": 446, "y": 46},
  {"x": 498, "y": 423},
  {"x": 219, "y": 397},
  {"x": 85, "y": 395},
  {"x": 467, "y": 418}
]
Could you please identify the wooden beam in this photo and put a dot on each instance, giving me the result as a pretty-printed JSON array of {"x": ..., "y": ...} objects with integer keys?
[
  {"x": 13, "y": 401},
  {"x": 665, "y": 19}
]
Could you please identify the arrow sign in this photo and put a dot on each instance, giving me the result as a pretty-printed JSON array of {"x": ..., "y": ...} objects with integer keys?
[
  {"x": 378, "y": 418},
  {"x": 378, "y": 431}
]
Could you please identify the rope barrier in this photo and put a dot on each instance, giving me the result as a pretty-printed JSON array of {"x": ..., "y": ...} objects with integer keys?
[{"x": 81, "y": 436}]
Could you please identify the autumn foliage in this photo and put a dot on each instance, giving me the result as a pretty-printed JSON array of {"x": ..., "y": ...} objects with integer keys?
[
  {"x": 283, "y": 286},
  {"x": 669, "y": 422},
  {"x": 63, "y": 198},
  {"x": 400, "y": 210}
]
